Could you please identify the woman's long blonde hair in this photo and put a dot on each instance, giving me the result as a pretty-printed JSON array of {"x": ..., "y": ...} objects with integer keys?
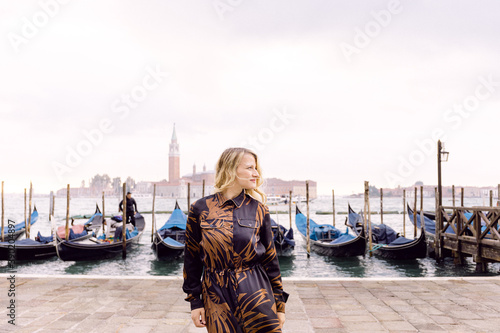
[{"x": 225, "y": 172}]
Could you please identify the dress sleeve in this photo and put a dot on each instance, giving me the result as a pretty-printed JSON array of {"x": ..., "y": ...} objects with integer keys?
[
  {"x": 193, "y": 266},
  {"x": 271, "y": 264}
]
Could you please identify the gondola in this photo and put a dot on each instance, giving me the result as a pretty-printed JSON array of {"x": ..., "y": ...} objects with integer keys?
[
  {"x": 388, "y": 244},
  {"x": 19, "y": 228},
  {"x": 283, "y": 239},
  {"x": 28, "y": 249},
  {"x": 168, "y": 241},
  {"x": 328, "y": 240},
  {"x": 42, "y": 247},
  {"x": 101, "y": 247}
]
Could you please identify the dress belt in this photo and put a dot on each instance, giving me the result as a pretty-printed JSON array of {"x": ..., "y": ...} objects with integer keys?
[{"x": 223, "y": 271}]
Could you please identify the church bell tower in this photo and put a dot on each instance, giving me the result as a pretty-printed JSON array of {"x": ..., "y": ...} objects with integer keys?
[{"x": 173, "y": 159}]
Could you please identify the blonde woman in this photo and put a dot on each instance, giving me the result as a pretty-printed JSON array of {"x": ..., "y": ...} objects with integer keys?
[{"x": 231, "y": 271}]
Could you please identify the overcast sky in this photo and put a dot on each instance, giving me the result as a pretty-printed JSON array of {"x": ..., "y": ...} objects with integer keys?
[{"x": 335, "y": 91}]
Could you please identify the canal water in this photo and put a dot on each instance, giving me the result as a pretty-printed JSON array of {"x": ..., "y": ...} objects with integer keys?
[{"x": 141, "y": 261}]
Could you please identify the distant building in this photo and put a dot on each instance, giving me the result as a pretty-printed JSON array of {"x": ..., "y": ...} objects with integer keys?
[
  {"x": 75, "y": 192},
  {"x": 429, "y": 191},
  {"x": 279, "y": 187},
  {"x": 176, "y": 186}
]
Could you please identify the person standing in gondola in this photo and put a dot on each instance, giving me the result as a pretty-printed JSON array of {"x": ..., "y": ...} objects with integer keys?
[
  {"x": 231, "y": 272},
  {"x": 131, "y": 208}
]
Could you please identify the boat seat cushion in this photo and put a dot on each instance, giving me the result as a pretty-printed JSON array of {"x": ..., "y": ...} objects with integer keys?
[
  {"x": 343, "y": 238},
  {"x": 401, "y": 240},
  {"x": 78, "y": 231}
]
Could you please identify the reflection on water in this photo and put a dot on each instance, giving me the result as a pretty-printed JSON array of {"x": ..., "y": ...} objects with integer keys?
[
  {"x": 348, "y": 266},
  {"x": 141, "y": 261},
  {"x": 408, "y": 268},
  {"x": 287, "y": 265},
  {"x": 173, "y": 267}
]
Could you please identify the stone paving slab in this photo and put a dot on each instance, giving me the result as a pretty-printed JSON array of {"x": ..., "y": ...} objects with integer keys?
[{"x": 156, "y": 304}]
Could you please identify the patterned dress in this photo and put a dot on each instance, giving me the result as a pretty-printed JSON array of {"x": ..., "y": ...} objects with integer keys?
[{"x": 230, "y": 265}]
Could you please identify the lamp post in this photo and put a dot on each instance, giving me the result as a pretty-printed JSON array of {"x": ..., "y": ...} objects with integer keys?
[{"x": 442, "y": 156}]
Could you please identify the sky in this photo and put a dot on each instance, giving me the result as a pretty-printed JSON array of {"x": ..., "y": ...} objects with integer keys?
[{"x": 339, "y": 92}]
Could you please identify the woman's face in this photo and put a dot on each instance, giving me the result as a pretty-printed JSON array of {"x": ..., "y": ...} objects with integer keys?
[{"x": 246, "y": 172}]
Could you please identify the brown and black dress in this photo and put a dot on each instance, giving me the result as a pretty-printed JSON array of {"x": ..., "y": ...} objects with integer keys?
[{"x": 230, "y": 265}]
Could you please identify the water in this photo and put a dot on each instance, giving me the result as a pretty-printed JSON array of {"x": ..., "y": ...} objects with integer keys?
[{"x": 141, "y": 261}]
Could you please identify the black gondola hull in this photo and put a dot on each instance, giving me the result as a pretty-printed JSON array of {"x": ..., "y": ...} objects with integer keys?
[
  {"x": 415, "y": 249},
  {"x": 75, "y": 251},
  {"x": 353, "y": 248},
  {"x": 430, "y": 236},
  {"x": 28, "y": 252},
  {"x": 164, "y": 251}
]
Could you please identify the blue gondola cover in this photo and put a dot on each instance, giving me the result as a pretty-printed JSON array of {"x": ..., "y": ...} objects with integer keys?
[
  {"x": 177, "y": 219},
  {"x": 317, "y": 231},
  {"x": 22, "y": 225}
]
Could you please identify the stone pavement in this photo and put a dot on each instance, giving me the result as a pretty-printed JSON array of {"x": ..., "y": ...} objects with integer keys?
[{"x": 156, "y": 304}]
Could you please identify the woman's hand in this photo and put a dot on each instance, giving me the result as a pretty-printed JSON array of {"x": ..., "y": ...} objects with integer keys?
[
  {"x": 198, "y": 317},
  {"x": 281, "y": 317}
]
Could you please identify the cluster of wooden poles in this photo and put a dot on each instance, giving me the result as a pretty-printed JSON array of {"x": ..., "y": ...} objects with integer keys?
[
  {"x": 27, "y": 221},
  {"x": 367, "y": 212}
]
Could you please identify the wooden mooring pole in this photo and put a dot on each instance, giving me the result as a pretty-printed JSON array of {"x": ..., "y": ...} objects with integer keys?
[
  {"x": 333, "y": 206},
  {"x": 436, "y": 205},
  {"x": 367, "y": 214},
  {"x": 404, "y": 213},
  {"x": 3, "y": 216},
  {"x": 51, "y": 214},
  {"x": 415, "y": 214},
  {"x": 453, "y": 194},
  {"x": 308, "y": 221},
  {"x": 422, "y": 222},
  {"x": 382, "y": 206},
  {"x": 189, "y": 196},
  {"x": 124, "y": 224},
  {"x": 25, "y": 219},
  {"x": 462, "y": 197},
  {"x": 437, "y": 243},
  {"x": 53, "y": 204},
  {"x": 491, "y": 198},
  {"x": 290, "y": 208},
  {"x": 28, "y": 230},
  {"x": 202, "y": 190},
  {"x": 153, "y": 221},
  {"x": 51, "y": 195},
  {"x": 66, "y": 232},
  {"x": 103, "y": 215}
]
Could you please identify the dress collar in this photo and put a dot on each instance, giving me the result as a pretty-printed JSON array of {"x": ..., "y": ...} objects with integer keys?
[{"x": 238, "y": 200}]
